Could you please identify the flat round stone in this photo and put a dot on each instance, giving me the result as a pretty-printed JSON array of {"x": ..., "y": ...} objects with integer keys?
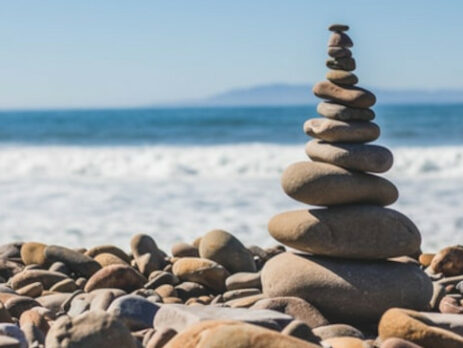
[
  {"x": 345, "y": 63},
  {"x": 350, "y": 96},
  {"x": 342, "y": 131},
  {"x": 342, "y": 77},
  {"x": 344, "y": 113},
  {"x": 338, "y": 27},
  {"x": 347, "y": 291},
  {"x": 355, "y": 232},
  {"x": 339, "y": 39},
  {"x": 364, "y": 158},
  {"x": 324, "y": 184},
  {"x": 339, "y": 52}
]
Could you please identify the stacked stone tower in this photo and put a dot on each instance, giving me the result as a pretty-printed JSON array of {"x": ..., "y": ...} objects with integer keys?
[{"x": 346, "y": 274}]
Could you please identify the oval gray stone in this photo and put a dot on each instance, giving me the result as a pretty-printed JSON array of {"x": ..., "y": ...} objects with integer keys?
[
  {"x": 351, "y": 96},
  {"x": 347, "y": 291},
  {"x": 360, "y": 231},
  {"x": 365, "y": 158},
  {"x": 338, "y": 27},
  {"x": 324, "y": 184},
  {"x": 344, "y": 113},
  {"x": 342, "y": 77},
  {"x": 134, "y": 311},
  {"x": 341, "y": 131}
]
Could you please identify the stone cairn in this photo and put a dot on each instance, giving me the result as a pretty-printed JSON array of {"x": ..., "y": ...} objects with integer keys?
[{"x": 348, "y": 275}]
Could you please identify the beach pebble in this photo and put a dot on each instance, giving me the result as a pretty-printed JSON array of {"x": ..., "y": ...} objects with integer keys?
[
  {"x": 160, "y": 338},
  {"x": 450, "y": 304},
  {"x": 239, "y": 293},
  {"x": 79, "y": 263},
  {"x": 146, "y": 253},
  {"x": 166, "y": 290},
  {"x": 134, "y": 311},
  {"x": 13, "y": 331},
  {"x": 219, "y": 333},
  {"x": 245, "y": 302},
  {"x": 350, "y": 96},
  {"x": 344, "y": 113},
  {"x": 182, "y": 249},
  {"x": 324, "y": 184},
  {"x": 9, "y": 342},
  {"x": 102, "y": 299},
  {"x": 425, "y": 259},
  {"x": 33, "y": 335},
  {"x": 337, "y": 330},
  {"x": 179, "y": 316},
  {"x": 340, "y": 39},
  {"x": 225, "y": 249},
  {"x": 346, "y": 290},
  {"x": 31, "y": 290},
  {"x": 449, "y": 261},
  {"x": 66, "y": 285},
  {"x": 342, "y": 77},
  {"x": 19, "y": 304},
  {"x": 187, "y": 290},
  {"x": 107, "y": 259},
  {"x": 91, "y": 329},
  {"x": 108, "y": 249},
  {"x": 47, "y": 278},
  {"x": 398, "y": 343},
  {"x": 365, "y": 158},
  {"x": 341, "y": 63},
  {"x": 37, "y": 317},
  {"x": 121, "y": 277},
  {"x": 339, "y": 52},
  {"x": 421, "y": 328},
  {"x": 300, "y": 330},
  {"x": 60, "y": 267},
  {"x": 243, "y": 280},
  {"x": 341, "y": 131},
  {"x": 161, "y": 278},
  {"x": 338, "y": 27},
  {"x": 5, "y": 316},
  {"x": 203, "y": 271},
  {"x": 344, "y": 342},
  {"x": 33, "y": 253},
  {"x": 295, "y": 307}
]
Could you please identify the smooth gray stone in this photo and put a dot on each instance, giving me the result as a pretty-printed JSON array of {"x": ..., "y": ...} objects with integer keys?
[
  {"x": 179, "y": 317},
  {"x": 134, "y": 311}
]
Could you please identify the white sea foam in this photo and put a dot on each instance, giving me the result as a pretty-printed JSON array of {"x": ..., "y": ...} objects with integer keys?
[{"x": 89, "y": 195}]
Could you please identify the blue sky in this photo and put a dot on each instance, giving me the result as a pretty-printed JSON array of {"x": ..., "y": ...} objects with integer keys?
[{"x": 125, "y": 53}]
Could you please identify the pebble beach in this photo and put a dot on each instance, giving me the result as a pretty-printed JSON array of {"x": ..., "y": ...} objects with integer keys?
[{"x": 340, "y": 266}]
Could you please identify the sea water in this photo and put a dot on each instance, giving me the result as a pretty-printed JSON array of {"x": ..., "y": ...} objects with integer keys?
[{"x": 87, "y": 177}]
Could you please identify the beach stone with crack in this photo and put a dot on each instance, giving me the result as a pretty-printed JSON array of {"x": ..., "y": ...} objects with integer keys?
[
  {"x": 179, "y": 316},
  {"x": 342, "y": 77},
  {"x": 350, "y": 96},
  {"x": 33, "y": 253},
  {"x": 338, "y": 27},
  {"x": 341, "y": 131},
  {"x": 91, "y": 329},
  {"x": 79, "y": 263},
  {"x": 108, "y": 249},
  {"x": 236, "y": 334},
  {"x": 243, "y": 280},
  {"x": 337, "y": 330},
  {"x": 398, "y": 343},
  {"x": 449, "y": 261},
  {"x": 121, "y": 277},
  {"x": 358, "y": 231},
  {"x": 420, "y": 328},
  {"x": 147, "y": 255},
  {"x": 225, "y": 249},
  {"x": 347, "y": 290},
  {"x": 47, "y": 278},
  {"x": 134, "y": 311},
  {"x": 344, "y": 113},
  {"x": 340, "y": 39},
  {"x": 360, "y": 157},
  {"x": 295, "y": 307},
  {"x": 341, "y": 63},
  {"x": 324, "y": 184},
  {"x": 339, "y": 52},
  {"x": 202, "y": 271}
]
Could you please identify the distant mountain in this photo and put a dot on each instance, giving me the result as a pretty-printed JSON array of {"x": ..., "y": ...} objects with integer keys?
[{"x": 287, "y": 94}]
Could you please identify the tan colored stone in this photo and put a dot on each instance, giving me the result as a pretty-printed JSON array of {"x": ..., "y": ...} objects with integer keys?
[
  {"x": 166, "y": 290},
  {"x": 425, "y": 259},
  {"x": 359, "y": 231},
  {"x": 344, "y": 290},
  {"x": 33, "y": 253},
  {"x": 350, "y": 96},
  {"x": 398, "y": 343},
  {"x": 324, "y": 184},
  {"x": 66, "y": 285},
  {"x": 345, "y": 342},
  {"x": 202, "y": 271},
  {"x": 183, "y": 249},
  {"x": 47, "y": 278},
  {"x": 449, "y": 261},
  {"x": 342, "y": 77},
  {"x": 146, "y": 253},
  {"x": 417, "y": 328},
  {"x": 121, "y": 277},
  {"x": 360, "y": 157},
  {"x": 31, "y": 290},
  {"x": 108, "y": 249},
  {"x": 336, "y": 131},
  {"x": 107, "y": 259}
]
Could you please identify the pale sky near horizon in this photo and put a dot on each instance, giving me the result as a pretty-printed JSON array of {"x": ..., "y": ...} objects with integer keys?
[{"x": 127, "y": 53}]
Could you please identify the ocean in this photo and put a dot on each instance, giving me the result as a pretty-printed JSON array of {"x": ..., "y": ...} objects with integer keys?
[{"x": 88, "y": 177}]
